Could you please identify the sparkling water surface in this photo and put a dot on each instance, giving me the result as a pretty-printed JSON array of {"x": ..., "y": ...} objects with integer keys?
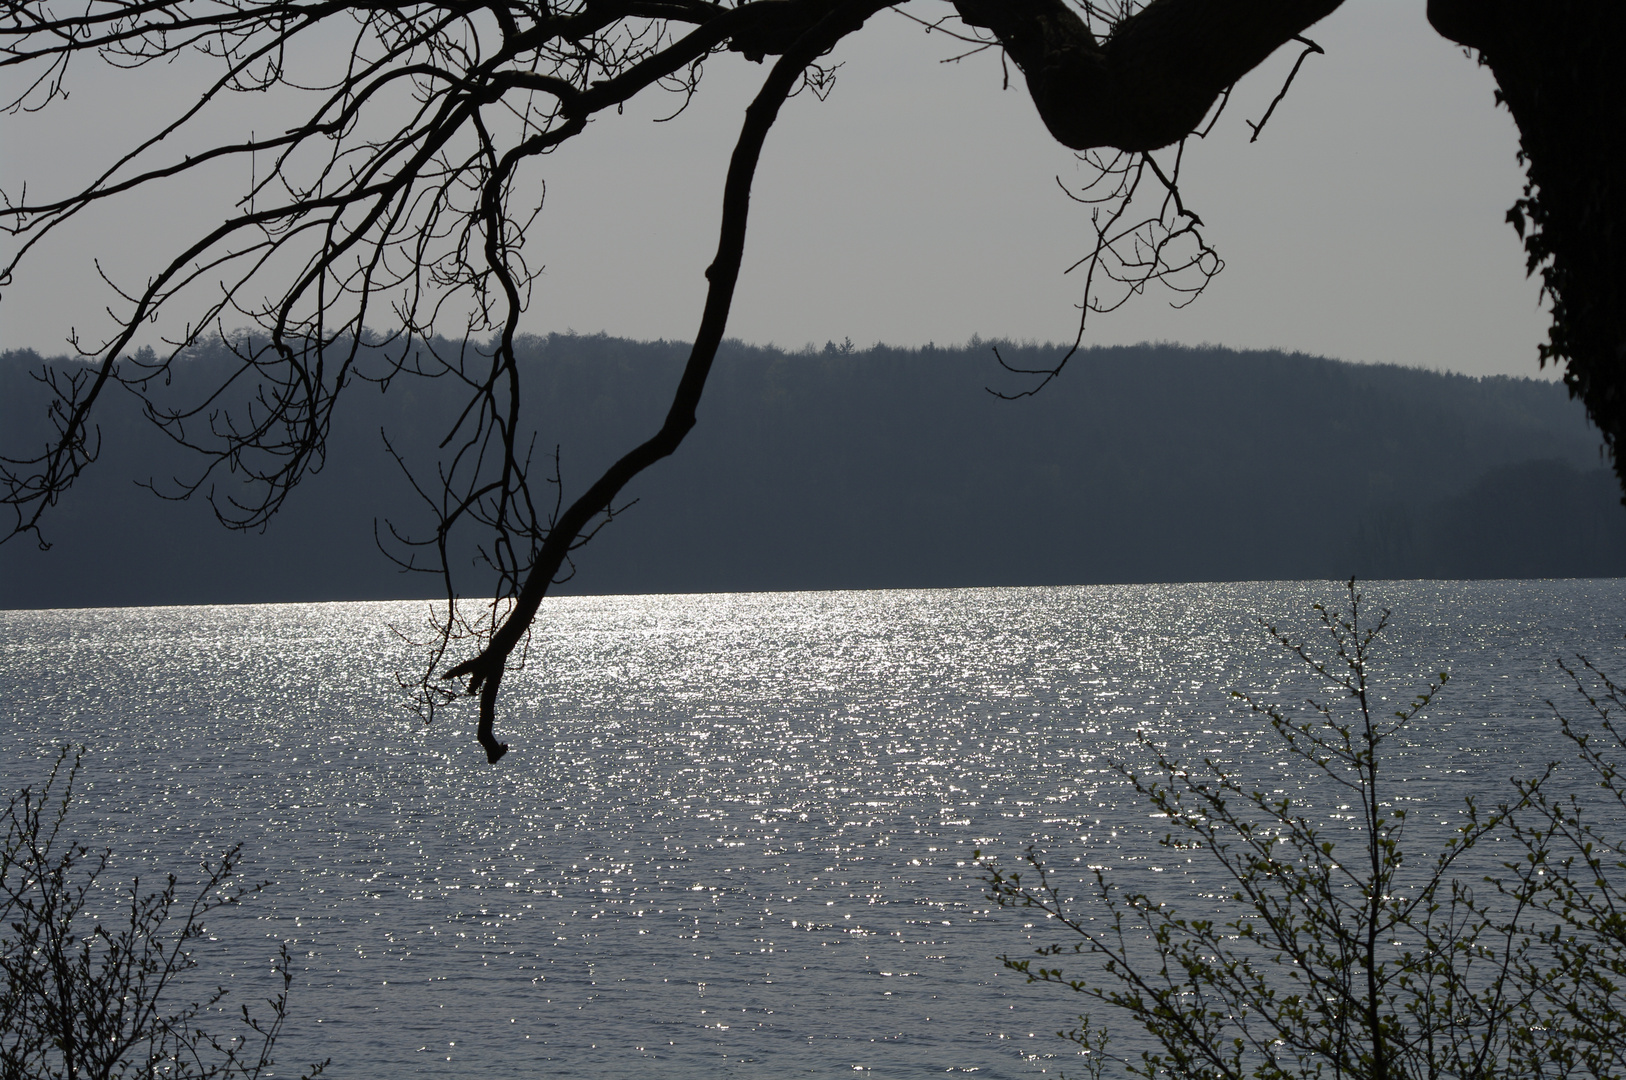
[{"x": 734, "y": 835}]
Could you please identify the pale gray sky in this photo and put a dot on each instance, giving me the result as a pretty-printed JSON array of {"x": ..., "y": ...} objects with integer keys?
[{"x": 920, "y": 204}]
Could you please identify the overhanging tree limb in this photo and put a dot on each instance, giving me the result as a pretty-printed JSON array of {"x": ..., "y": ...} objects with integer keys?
[
  {"x": 485, "y": 670},
  {"x": 1152, "y": 79},
  {"x": 394, "y": 189}
]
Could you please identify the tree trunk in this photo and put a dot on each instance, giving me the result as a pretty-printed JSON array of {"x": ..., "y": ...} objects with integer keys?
[{"x": 1558, "y": 70}]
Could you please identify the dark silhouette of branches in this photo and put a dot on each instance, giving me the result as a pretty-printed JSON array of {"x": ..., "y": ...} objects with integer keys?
[
  {"x": 485, "y": 670},
  {"x": 1287, "y": 84},
  {"x": 1132, "y": 249},
  {"x": 1085, "y": 54},
  {"x": 83, "y": 995},
  {"x": 399, "y": 198},
  {"x": 385, "y": 232},
  {"x": 402, "y": 194}
]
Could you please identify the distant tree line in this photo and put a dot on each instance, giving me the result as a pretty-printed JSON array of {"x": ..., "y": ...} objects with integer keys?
[{"x": 846, "y": 467}]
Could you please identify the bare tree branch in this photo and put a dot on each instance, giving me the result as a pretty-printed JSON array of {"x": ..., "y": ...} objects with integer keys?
[
  {"x": 486, "y": 669},
  {"x": 1153, "y": 77}
]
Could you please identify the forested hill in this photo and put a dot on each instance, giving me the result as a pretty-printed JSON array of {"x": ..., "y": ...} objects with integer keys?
[{"x": 896, "y": 468}]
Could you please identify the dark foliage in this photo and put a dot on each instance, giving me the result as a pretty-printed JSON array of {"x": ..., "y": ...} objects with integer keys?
[{"x": 1557, "y": 71}]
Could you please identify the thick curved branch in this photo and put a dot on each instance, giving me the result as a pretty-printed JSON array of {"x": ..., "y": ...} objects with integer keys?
[
  {"x": 1149, "y": 83},
  {"x": 485, "y": 670}
]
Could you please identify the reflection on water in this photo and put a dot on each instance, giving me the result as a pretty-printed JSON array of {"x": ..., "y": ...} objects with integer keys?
[{"x": 734, "y": 833}]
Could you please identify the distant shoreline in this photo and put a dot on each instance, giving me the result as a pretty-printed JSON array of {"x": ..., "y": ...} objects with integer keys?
[{"x": 887, "y": 468}]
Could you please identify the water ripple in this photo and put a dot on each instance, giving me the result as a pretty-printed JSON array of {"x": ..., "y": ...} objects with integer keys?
[{"x": 734, "y": 835}]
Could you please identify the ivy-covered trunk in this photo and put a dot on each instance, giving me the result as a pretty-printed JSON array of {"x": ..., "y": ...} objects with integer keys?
[{"x": 1557, "y": 68}]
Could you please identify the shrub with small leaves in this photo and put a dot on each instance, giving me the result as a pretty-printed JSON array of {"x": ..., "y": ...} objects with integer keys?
[
  {"x": 88, "y": 998},
  {"x": 1332, "y": 955}
]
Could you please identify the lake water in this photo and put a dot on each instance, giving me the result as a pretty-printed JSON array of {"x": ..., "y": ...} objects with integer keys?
[{"x": 734, "y": 833}]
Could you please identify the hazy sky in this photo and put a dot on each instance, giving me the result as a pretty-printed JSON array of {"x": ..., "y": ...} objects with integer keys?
[{"x": 919, "y": 203}]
